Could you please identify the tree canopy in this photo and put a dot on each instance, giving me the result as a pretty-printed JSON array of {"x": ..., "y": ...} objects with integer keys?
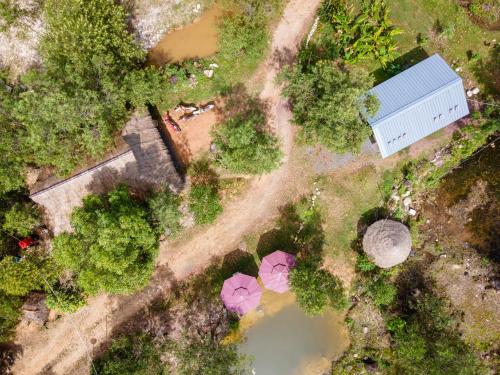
[
  {"x": 243, "y": 145},
  {"x": 328, "y": 100},
  {"x": 315, "y": 288},
  {"x": 113, "y": 245}
]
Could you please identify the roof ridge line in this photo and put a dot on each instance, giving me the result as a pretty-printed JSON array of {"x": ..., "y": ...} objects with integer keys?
[{"x": 409, "y": 105}]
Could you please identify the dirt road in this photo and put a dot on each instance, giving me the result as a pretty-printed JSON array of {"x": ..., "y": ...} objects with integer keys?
[{"x": 66, "y": 346}]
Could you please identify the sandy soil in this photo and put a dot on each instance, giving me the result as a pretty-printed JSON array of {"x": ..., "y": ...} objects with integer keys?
[
  {"x": 66, "y": 346},
  {"x": 194, "y": 139}
]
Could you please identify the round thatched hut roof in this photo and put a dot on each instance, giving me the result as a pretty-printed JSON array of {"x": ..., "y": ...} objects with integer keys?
[{"x": 387, "y": 243}]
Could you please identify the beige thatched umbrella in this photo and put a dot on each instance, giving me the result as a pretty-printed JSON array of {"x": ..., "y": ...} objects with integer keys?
[{"x": 387, "y": 243}]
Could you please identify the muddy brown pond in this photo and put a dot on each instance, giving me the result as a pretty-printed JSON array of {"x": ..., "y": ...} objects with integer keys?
[
  {"x": 281, "y": 340},
  {"x": 196, "y": 40}
]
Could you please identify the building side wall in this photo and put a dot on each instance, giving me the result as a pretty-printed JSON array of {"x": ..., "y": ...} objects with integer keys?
[{"x": 422, "y": 119}]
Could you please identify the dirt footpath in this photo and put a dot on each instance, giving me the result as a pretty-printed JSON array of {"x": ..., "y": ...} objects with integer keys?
[{"x": 66, "y": 346}]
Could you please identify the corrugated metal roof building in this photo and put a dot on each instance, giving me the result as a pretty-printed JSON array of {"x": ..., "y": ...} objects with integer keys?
[{"x": 415, "y": 103}]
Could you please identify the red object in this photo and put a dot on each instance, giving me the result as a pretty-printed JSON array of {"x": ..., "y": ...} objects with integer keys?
[
  {"x": 169, "y": 121},
  {"x": 25, "y": 243}
]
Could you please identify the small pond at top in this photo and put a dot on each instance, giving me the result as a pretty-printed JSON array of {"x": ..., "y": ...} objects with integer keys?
[
  {"x": 282, "y": 340},
  {"x": 198, "y": 39}
]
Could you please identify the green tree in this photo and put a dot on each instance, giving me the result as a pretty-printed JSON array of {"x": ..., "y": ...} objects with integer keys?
[
  {"x": 243, "y": 146},
  {"x": 22, "y": 219},
  {"x": 165, "y": 214},
  {"x": 18, "y": 278},
  {"x": 327, "y": 103},
  {"x": 113, "y": 246},
  {"x": 316, "y": 288},
  {"x": 65, "y": 299},
  {"x": 72, "y": 108},
  {"x": 131, "y": 355}
]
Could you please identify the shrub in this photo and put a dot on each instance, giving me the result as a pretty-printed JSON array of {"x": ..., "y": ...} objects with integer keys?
[
  {"x": 326, "y": 104},
  {"x": 316, "y": 288},
  {"x": 65, "y": 300},
  {"x": 134, "y": 355},
  {"x": 204, "y": 203},
  {"x": 165, "y": 215},
  {"x": 9, "y": 315},
  {"x": 208, "y": 357},
  {"x": 18, "y": 278},
  {"x": 364, "y": 264},
  {"x": 113, "y": 246},
  {"x": 427, "y": 343},
  {"x": 382, "y": 292},
  {"x": 22, "y": 219},
  {"x": 243, "y": 146}
]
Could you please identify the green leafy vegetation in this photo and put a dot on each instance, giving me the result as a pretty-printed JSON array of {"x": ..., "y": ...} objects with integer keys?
[
  {"x": 428, "y": 343},
  {"x": 165, "y": 216},
  {"x": 22, "y": 219},
  {"x": 65, "y": 299},
  {"x": 209, "y": 357},
  {"x": 203, "y": 199},
  {"x": 326, "y": 103},
  {"x": 34, "y": 272},
  {"x": 367, "y": 34},
  {"x": 244, "y": 146},
  {"x": 134, "y": 355},
  {"x": 9, "y": 315},
  {"x": 113, "y": 246},
  {"x": 316, "y": 288}
]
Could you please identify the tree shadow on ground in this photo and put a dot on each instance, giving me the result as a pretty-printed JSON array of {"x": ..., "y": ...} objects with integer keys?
[
  {"x": 295, "y": 231},
  {"x": 403, "y": 62},
  {"x": 487, "y": 72},
  {"x": 8, "y": 355},
  {"x": 367, "y": 218},
  {"x": 237, "y": 101}
]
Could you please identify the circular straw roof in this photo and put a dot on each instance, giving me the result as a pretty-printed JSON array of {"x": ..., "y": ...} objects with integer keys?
[{"x": 387, "y": 243}]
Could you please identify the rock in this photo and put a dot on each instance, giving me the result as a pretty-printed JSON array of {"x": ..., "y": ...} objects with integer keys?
[
  {"x": 213, "y": 66},
  {"x": 365, "y": 330},
  {"x": 412, "y": 212},
  {"x": 407, "y": 202},
  {"x": 459, "y": 69},
  {"x": 356, "y": 355},
  {"x": 475, "y": 90},
  {"x": 34, "y": 309},
  {"x": 208, "y": 73},
  {"x": 469, "y": 93}
]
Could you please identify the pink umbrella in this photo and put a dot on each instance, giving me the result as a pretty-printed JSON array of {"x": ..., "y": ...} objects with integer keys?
[
  {"x": 274, "y": 270},
  {"x": 241, "y": 293}
]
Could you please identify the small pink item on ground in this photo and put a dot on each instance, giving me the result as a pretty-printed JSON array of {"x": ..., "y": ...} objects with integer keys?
[
  {"x": 241, "y": 293},
  {"x": 274, "y": 270}
]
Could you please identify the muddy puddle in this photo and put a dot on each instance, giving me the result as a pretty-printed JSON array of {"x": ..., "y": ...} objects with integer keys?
[
  {"x": 282, "y": 340},
  {"x": 196, "y": 40}
]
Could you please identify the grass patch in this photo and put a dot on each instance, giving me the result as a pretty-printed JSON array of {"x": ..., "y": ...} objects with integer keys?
[
  {"x": 438, "y": 26},
  {"x": 345, "y": 200}
]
